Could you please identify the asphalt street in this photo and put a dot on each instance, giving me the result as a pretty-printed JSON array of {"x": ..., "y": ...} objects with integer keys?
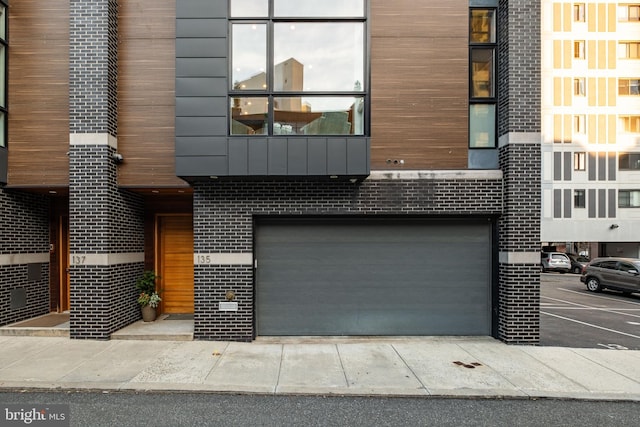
[{"x": 571, "y": 316}]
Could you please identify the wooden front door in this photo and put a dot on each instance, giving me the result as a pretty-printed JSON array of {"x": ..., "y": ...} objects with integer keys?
[{"x": 175, "y": 263}]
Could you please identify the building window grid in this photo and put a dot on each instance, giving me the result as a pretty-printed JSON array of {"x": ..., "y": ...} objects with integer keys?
[
  {"x": 482, "y": 77},
  {"x": 273, "y": 99}
]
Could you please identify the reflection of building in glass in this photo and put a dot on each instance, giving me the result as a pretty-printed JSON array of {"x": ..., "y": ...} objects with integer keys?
[{"x": 289, "y": 77}]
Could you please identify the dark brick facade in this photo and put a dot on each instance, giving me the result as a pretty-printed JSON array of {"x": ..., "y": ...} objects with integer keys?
[
  {"x": 24, "y": 230},
  {"x": 224, "y": 215},
  {"x": 103, "y": 219},
  {"x": 519, "y": 127}
]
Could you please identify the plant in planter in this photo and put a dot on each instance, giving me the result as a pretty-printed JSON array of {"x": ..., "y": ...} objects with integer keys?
[{"x": 149, "y": 299}]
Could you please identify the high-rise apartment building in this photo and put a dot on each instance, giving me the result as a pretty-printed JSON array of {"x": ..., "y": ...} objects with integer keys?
[{"x": 591, "y": 126}]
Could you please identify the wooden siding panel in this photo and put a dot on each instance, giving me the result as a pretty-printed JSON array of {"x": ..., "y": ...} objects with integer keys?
[
  {"x": 146, "y": 93},
  {"x": 38, "y": 95},
  {"x": 419, "y": 89}
]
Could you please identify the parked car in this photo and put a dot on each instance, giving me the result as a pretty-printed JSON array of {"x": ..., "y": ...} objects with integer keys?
[
  {"x": 622, "y": 274},
  {"x": 578, "y": 262},
  {"x": 555, "y": 261}
]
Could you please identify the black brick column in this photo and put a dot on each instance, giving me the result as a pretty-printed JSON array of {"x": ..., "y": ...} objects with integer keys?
[
  {"x": 519, "y": 128},
  {"x": 106, "y": 224}
]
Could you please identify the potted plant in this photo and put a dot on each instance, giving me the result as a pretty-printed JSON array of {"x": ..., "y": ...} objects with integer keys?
[{"x": 149, "y": 299}]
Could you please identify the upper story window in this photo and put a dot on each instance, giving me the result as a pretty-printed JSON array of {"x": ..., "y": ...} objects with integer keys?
[
  {"x": 3, "y": 74},
  {"x": 580, "y": 161},
  {"x": 578, "y": 12},
  {"x": 629, "y": 198},
  {"x": 482, "y": 78},
  {"x": 579, "y": 86},
  {"x": 629, "y": 161},
  {"x": 298, "y": 68},
  {"x": 578, "y": 49},
  {"x": 629, "y": 87},
  {"x": 630, "y": 124},
  {"x": 629, "y": 50},
  {"x": 629, "y": 12}
]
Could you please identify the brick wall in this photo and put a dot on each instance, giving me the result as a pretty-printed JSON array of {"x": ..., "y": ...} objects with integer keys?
[
  {"x": 224, "y": 214},
  {"x": 24, "y": 233},
  {"x": 93, "y": 66},
  {"x": 519, "y": 128}
]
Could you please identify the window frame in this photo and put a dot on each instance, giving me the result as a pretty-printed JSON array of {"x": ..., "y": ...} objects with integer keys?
[
  {"x": 624, "y": 12},
  {"x": 625, "y": 90},
  {"x": 626, "y": 201},
  {"x": 579, "y": 12},
  {"x": 580, "y": 199},
  {"x": 579, "y": 86},
  {"x": 491, "y": 102},
  {"x": 629, "y": 50},
  {"x": 580, "y": 161},
  {"x": 627, "y": 160},
  {"x": 271, "y": 95}
]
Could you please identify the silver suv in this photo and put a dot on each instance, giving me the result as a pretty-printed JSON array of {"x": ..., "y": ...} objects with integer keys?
[
  {"x": 555, "y": 261},
  {"x": 622, "y": 274}
]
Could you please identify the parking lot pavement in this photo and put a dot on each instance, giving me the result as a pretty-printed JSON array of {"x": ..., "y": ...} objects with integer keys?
[{"x": 571, "y": 316}]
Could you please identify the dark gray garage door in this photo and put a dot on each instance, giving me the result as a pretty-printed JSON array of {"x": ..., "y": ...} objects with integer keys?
[{"x": 373, "y": 277}]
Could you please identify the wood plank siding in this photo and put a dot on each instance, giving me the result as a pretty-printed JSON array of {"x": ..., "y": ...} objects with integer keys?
[
  {"x": 38, "y": 93},
  {"x": 419, "y": 84},
  {"x": 146, "y": 93},
  {"x": 419, "y": 89}
]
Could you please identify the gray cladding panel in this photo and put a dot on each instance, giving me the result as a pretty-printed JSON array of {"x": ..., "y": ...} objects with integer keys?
[
  {"x": 557, "y": 203},
  {"x": 317, "y": 156},
  {"x": 201, "y": 48},
  {"x": 200, "y": 126},
  {"x": 258, "y": 156},
  {"x": 201, "y": 9},
  {"x": 602, "y": 166},
  {"x": 591, "y": 202},
  {"x": 612, "y": 166},
  {"x": 336, "y": 156},
  {"x": 238, "y": 157},
  {"x": 201, "y": 67},
  {"x": 297, "y": 150},
  {"x": 567, "y": 203},
  {"x": 567, "y": 166},
  {"x": 199, "y": 86},
  {"x": 373, "y": 278},
  {"x": 557, "y": 166},
  {"x": 613, "y": 203},
  {"x": 200, "y": 106},
  {"x": 201, "y": 28},
  {"x": 592, "y": 166},
  {"x": 602, "y": 203},
  {"x": 277, "y": 162},
  {"x": 201, "y": 165},
  {"x": 201, "y": 146}
]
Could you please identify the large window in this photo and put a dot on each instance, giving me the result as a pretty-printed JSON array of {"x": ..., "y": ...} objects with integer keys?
[
  {"x": 629, "y": 12},
  {"x": 630, "y": 124},
  {"x": 629, "y": 161},
  {"x": 298, "y": 68},
  {"x": 629, "y": 87},
  {"x": 3, "y": 74},
  {"x": 579, "y": 198},
  {"x": 629, "y": 199},
  {"x": 482, "y": 78},
  {"x": 629, "y": 50}
]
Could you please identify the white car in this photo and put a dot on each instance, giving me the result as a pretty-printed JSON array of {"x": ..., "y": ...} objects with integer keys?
[{"x": 555, "y": 261}]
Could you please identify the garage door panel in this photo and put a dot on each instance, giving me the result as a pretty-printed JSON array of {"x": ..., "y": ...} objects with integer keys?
[{"x": 373, "y": 278}]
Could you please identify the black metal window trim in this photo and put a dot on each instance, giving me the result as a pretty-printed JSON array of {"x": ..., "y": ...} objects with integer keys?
[{"x": 270, "y": 94}]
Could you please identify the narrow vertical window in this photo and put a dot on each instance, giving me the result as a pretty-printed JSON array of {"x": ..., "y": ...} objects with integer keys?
[
  {"x": 578, "y": 12},
  {"x": 578, "y": 87},
  {"x": 482, "y": 78},
  {"x": 578, "y": 49},
  {"x": 580, "y": 161},
  {"x": 579, "y": 199}
]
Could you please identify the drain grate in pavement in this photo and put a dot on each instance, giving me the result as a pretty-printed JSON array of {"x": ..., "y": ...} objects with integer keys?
[{"x": 471, "y": 365}]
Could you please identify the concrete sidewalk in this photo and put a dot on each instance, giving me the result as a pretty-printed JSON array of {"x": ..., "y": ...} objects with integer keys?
[{"x": 425, "y": 366}]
